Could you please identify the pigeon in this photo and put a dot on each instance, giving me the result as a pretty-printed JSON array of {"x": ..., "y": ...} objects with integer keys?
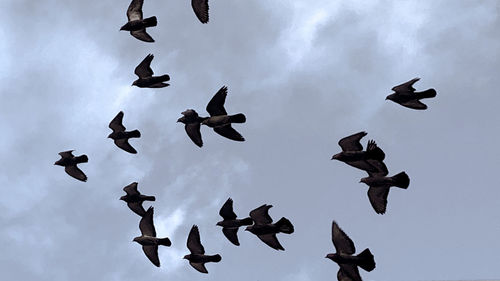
[
  {"x": 266, "y": 230},
  {"x": 146, "y": 78},
  {"x": 69, "y": 161},
  {"x": 230, "y": 224},
  {"x": 197, "y": 258},
  {"x": 148, "y": 239},
  {"x": 380, "y": 184},
  {"x": 136, "y": 24},
  {"x": 120, "y": 136},
  {"x": 134, "y": 199},
  {"x": 352, "y": 152},
  {"x": 200, "y": 8},
  {"x": 406, "y": 96},
  {"x": 345, "y": 257},
  {"x": 192, "y": 125}
]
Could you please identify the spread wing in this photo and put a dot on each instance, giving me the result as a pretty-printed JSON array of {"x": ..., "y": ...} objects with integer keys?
[
  {"x": 216, "y": 105},
  {"x": 131, "y": 189},
  {"x": 123, "y": 144},
  {"x": 229, "y": 132},
  {"x": 152, "y": 254},
  {"x": 261, "y": 215},
  {"x": 378, "y": 198},
  {"x": 231, "y": 234},
  {"x": 351, "y": 143},
  {"x": 227, "y": 210},
  {"x": 200, "y": 8},
  {"x": 142, "y": 35},
  {"x": 405, "y": 87},
  {"x": 199, "y": 266},
  {"x": 134, "y": 11},
  {"x": 194, "y": 242},
  {"x": 342, "y": 242},
  {"x": 73, "y": 171},
  {"x": 414, "y": 104},
  {"x": 117, "y": 123},
  {"x": 143, "y": 70},
  {"x": 380, "y": 168},
  {"x": 146, "y": 225},
  {"x": 193, "y": 131},
  {"x": 271, "y": 241},
  {"x": 137, "y": 208},
  {"x": 349, "y": 272},
  {"x": 66, "y": 154}
]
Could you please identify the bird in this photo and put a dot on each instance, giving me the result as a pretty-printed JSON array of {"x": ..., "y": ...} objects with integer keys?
[
  {"x": 379, "y": 185},
  {"x": 134, "y": 199},
  {"x": 192, "y": 122},
  {"x": 405, "y": 95},
  {"x": 120, "y": 136},
  {"x": 197, "y": 258},
  {"x": 345, "y": 258},
  {"x": 200, "y": 8},
  {"x": 69, "y": 161},
  {"x": 148, "y": 239},
  {"x": 352, "y": 152},
  {"x": 265, "y": 229},
  {"x": 230, "y": 224},
  {"x": 146, "y": 78},
  {"x": 136, "y": 24}
]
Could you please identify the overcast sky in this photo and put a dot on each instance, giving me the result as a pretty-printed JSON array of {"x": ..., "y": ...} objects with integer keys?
[{"x": 305, "y": 73}]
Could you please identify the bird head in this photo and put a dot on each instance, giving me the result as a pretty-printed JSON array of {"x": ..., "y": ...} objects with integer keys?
[
  {"x": 134, "y": 83},
  {"x": 336, "y": 156},
  {"x": 58, "y": 162},
  {"x": 186, "y": 257},
  {"x": 136, "y": 239},
  {"x": 182, "y": 119},
  {"x": 219, "y": 223},
  {"x": 123, "y": 197},
  {"x": 390, "y": 97},
  {"x": 364, "y": 180},
  {"x": 109, "y": 136},
  {"x": 333, "y": 257},
  {"x": 124, "y": 27}
]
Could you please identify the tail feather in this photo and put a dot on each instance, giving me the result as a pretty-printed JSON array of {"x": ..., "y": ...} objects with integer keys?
[
  {"x": 285, "y": 226},
  {"x": 149, "y": 198},
  {"x": 247, "y": 221},
  {"x": 366, "y": 262},
  {"x": 427, "y": 94},
  {"x": 81, "y": 159},
  {"x": 238, "y": 118},
  {"x": 165, "y": 78},
  {"x": 152, "y": 21},
  {"x": 134, "y": 134},
  {"x": 401, "y": 180},
  {"x": 164, "y": 241},
  {"x": 215, "y": 258}
]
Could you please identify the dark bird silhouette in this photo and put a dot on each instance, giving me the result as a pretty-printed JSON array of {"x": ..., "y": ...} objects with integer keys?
[
  {"x": 69, "y": 161},
  {"x": 266, "y": 230},
  {"x": 200, "y": 8},
  {"x": 136, "y": 24},
  {"x": 352, "y": 152},
  {"x": 406, "y": 96},
  {"x": 120, "y": 136},
  {"x": 230, "y": 224},
  {"x": 134, "y": 199},
  {"x": 148, "y": 239},
  {"x": 345, "y": 257},
  {"x": 192, "y": 125},
  {"x": 197, "y": 258},
  {"x": 146, "y": 78}
]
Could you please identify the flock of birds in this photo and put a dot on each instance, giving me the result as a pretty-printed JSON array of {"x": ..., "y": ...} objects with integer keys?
[{"x": 259, "y": 222}]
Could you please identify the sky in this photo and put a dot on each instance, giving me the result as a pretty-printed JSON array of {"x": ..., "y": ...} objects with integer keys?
[{"x": 306, "y": 74}]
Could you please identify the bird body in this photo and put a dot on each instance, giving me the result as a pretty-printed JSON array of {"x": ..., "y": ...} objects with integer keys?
[
  {"x": 400, "y": 180},
  {"x": 120, "y": 136},
  {"x": 406, "y": 96},
  {"x": 152, "y": 241},
  {"x": 192, "y": 124},
  {"x": 145, "y": 74},
  {"x": 230, "y": 224},
  {"x": 197, "y": 257},
  {"x": 235, "y": 223},
  {"x": 223, "y": 120},
  {"x": 266, "y": 230},
  {"x": 136, "y": 24},
  {"x": 353, "y": 155},
  {"x": 69, "y": 162},
  {"x": 380, "y": 185},
  {"x": 148, "y": 238},
  {"x": 134, "y": 199}
]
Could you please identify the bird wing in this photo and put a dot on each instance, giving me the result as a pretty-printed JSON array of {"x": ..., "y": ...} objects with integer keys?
[
  {"x": 342, "y": 276},
  {"x": 194, "y": 243},
  {"x": 342, "y": 242},
  {"x": 351, "y": 143},
  {"x": 117, "y": 123},
  {"x": 349, "y": 272},
  {"x": 131, "y": 189},
  {"x": 193, "y": 131},
  {"x": 146, "y": 224},
  {"x": 142, "y": 35},
  {"x": 152, "y": 254},
  {"x": 137, "y": 208},
  {"x": 66, "y": 154},
  {"x": 73, "y": 171},
  {"x": 405, "y": 87},
  {"x": 123, "y": 144},
  {"x": 216, "y": 105},
  {"x": 200, "y": 8},
  {"x": 380, "y": 168},
  {"x": 229, "y": 132},
  {"x": 414, "y": 104},
  {"x": 363, "y": 165},
  {"x": 199, "y": 266},
  {"x": 271, "y": 241},
  {"x": 134, "y": 11},
  {"x": 144, "y": 70},
  {"x": 378, "y": 198},
  {"x": 227, "y": 210},
  {"x": 231, "y": 234},
  {"x": 261, "y": 215}
]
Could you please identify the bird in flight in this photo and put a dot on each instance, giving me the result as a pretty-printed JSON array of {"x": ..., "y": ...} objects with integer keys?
[
  {"x": 148, "y": 239},
  {"x": 136, "y": 24},
  {"x": 197, "y": 258},
  {"x": 69, "y": 162},
  {"x": 405, "y": 95},
  {"x": 120, "y": 136},
  {"x": 146, "y": 78},
  {"x": 230, "y": 224},
  {"x": 266, "y": 230},
  {"x": 352, "y": 152},
  {"x": 134, "y": 199}
]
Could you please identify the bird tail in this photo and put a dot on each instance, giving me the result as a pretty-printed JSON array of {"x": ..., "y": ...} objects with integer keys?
[
  {"x": 374, "y": 152},
  {"x": 427, "y": 94},
  {"x": 285, "y": 226},
  {"x": 81, "y": 159},
  {"x": 152, "y": 21},
  {"x": 134, "y": 134},
  {"x": 366, "y": 260},
  {"x": 165, "y": 78},
  {"x": 247, "y": 221},
  {"x": 164, "y": 241},
  {"x": 237, "y": 118},
  {"x": 149, "y": 198},
  {"x": 215, "y": 258},
  {"x": 401, "y": 180}
]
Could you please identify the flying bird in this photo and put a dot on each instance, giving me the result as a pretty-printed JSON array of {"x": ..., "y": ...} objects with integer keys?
[
  {"x": 120, "y": 136},
  {"x": 345, "y": 258},
  {"x": 266, "y": 230},
  {"x": 230, "y": 224},
  {"x": 134, "y": 199},
  {"x": 148, "y": 239},
  {"x": 146, "y": 78},
  {"x": 406, "y": 96},
  {"x": 197, "y": 258},
  {"x": 200, "y": 8},
  {"x": 69, "y": 161},
  {"x": 136, "y": 24},
  {"x": 352, "y": 152},
  {"x": 192, "y": 125}
]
